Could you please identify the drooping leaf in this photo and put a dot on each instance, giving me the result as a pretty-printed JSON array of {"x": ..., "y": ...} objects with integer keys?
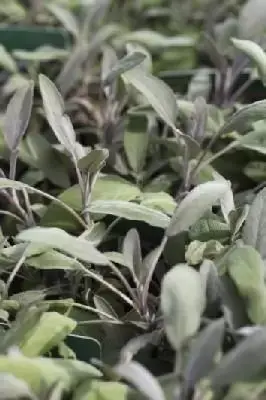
[
  {"x": 182, "y": 303},
  {"x": 130, "y": 211},
  {"x": 157, "y": 93},
  {"x": 48, "y": 333},
  {"x": 59, "y": 239},
  {"x": 141, "y": 379},
  {"x": 195, "y": 204},
  {"x": 243, "y": 363},
  {"x": 18, "y": 115},
  {"x": 202, "y": 353},
  {"x": 124, "y": 64},
  {"x": 248, "y": 114},
  {"x": 254, "y": 232},
  {"x": 255, "y": 53}
]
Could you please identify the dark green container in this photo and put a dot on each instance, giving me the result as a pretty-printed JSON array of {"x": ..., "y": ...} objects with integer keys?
[{"x": 15, "y": 37}]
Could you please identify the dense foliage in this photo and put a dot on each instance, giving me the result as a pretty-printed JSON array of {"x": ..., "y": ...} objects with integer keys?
[{"x": 132, "y": 199}]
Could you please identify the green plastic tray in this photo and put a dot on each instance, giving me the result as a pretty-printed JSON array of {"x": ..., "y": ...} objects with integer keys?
[{"x": 31, "y": 37}]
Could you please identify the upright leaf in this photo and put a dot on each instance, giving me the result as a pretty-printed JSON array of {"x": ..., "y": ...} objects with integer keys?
[
  {"x": 142, "y": 379},
  {"x": 132, "y": 252},
  {"x": 18, "y": 115},
  {"x": 195, "y": 204},
  {"x": 182, "y": 302},
  {"x": 202, "y": 354},
  {"x": 53, "y": 104},
  {"x": 254, "y": 232},
  {"x": 157, "y": 93},
  {"x": 246, "y": 269}
]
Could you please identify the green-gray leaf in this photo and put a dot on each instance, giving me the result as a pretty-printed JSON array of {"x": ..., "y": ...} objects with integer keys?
[
  {"x": 126, "y": 63},
  {"x": 18, "y": 115},
  {"x": 182, "y": 303},
  {"x": 246, "y": 115},
  {"x": 59, "y": 239},
  {"x": 195, "y": 204},
  {"x": 255, "y": 53},
  {"x": 243, "y": 363},
  {"x": 158, "y": 94},
  {"x": 254, "y": 232}
]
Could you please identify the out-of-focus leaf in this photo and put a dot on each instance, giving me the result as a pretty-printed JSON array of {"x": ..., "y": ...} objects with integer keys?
[
  {"x": 130, "y": 211},
  {"x": 41, "y": 54},
  {"x": 48, "y": 333},
  {"x": 141, "y": 379},
  {"x": 255, "y": 53},
  {"x": 200, "y": 85},
  {"x": 202, "y": 353},
  {"x": 13, "y": 388},
  {"x": 155, "y": 40},
  {"x": 68, "y": 19},
  {"x": 100, "y": 390},
  {"x": 252, "y": 19},
  {"x": 34, "y": 371},
  {"x": 128, "y": 62},
  {"x": 254, "y": 232},
  {"x": 18, "y": 115},
  {"x": 255, "y": 140},
  {"x": 59, "y": 239},
  {"x": 243, "y": 363},
  {"x": 248, "y": 114},
  {"x": 6, "y": 61},
  {"x": 195, "y": 204},
  {"x": 182, "y": 303},
  {"x": 246, "y": 269},
  {"x": 256, "y": 170}
]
